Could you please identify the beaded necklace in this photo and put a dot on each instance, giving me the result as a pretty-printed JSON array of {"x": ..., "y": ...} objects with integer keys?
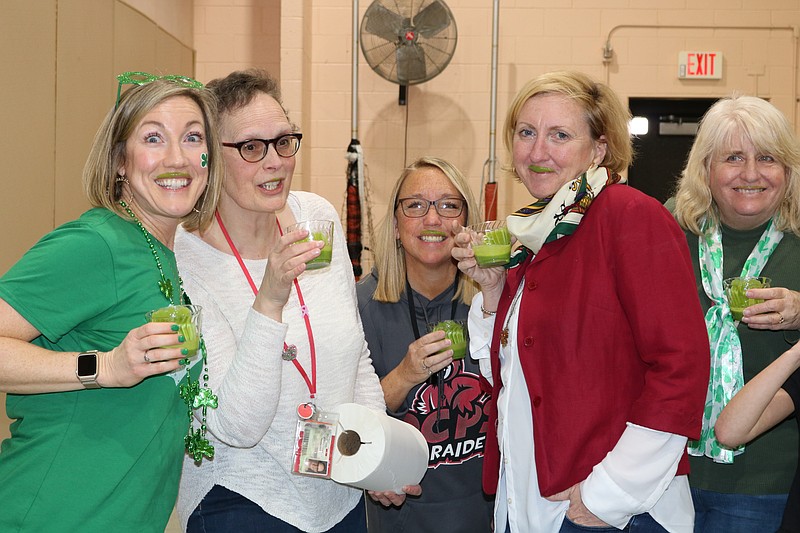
[{"x": 196, "y": 397}]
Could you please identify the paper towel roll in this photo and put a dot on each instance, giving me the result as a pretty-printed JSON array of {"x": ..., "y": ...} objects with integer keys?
[{"x": 386, "y": 454}]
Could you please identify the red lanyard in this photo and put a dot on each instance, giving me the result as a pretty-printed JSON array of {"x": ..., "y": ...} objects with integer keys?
[{"x": 312, "y": 383}]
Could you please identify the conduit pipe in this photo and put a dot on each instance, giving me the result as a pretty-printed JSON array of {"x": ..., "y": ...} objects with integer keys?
[{"x": 608, "y": 51}]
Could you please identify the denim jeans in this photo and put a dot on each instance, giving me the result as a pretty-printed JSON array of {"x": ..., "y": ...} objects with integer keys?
[
  {"x": 223, "y": 510},
  {"x": 716, "y": 512}
]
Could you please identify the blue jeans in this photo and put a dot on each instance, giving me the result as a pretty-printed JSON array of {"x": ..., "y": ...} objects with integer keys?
[
  {"x": 716, "y": 512},
  {"x": 640, "y": 523},
  {"x": 223, "y": 510}
]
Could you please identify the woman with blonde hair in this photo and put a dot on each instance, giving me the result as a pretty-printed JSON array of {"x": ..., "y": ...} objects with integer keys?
[
  {"x": 99, "y": 409},
  {"x": 738, "y": 202},
  {"x": 594, "y": 392},
  {"x": 416, "y": 282}
]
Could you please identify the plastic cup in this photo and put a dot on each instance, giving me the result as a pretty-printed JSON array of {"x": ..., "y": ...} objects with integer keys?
[
  {"x": 491, "y": 243},
  {"x": 318, "y": 230},
  {"x": 188, "y": 319},
  {"x": 456, "y": 331},
  {"x": 735, "y": 289}
]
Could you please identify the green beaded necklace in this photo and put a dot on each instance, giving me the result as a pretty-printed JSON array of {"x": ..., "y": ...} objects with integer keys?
[{"x": 195, "y": 396}]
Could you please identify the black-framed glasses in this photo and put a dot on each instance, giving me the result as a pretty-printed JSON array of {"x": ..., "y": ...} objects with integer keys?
[
  {"x": 143, "y": 78},
  {"x": 254, "y": 150},
  {"x": 418, "y": 207}
]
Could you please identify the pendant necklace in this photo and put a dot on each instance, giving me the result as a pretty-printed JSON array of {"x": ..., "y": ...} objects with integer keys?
[
  {"x": 196, "y": 397},
  {"x": 511, "y": 310},
  {"x": 304, "y": 410}
]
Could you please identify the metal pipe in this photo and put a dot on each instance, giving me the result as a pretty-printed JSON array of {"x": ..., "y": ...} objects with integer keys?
[
  {"x": 490, "y": 187},
  {"x": 354, "y": 84},
  {"x": 608, "y": 51}
]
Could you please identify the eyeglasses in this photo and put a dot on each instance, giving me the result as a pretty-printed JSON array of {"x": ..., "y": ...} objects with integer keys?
[
  {"x": 418, "y": 207},
  {"x": 254, "y": 150},
  {"x": 143, "y": 78}
]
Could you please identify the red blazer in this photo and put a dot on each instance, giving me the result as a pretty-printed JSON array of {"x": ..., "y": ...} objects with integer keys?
[{"x": 610, "y": 331}]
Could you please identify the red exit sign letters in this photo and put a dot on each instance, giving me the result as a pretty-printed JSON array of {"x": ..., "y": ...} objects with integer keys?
[{"x": 700, "y": 65}]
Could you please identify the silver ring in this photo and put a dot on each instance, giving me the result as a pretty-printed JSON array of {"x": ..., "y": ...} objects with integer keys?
[
  {"x": 146, "y": 359},
  {"x": 782, "y": 320}
]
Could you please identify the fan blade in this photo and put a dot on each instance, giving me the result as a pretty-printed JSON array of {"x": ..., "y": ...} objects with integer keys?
[
  {"x": 410, "y": 63},
  {"x": 386, "y": 24},
  {"x": 432, "y": 19}
]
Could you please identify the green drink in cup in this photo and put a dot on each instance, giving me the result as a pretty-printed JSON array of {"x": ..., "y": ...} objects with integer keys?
[
  {"x": 456, "y": 331},
  {"x": 491, "y": 243},
  {"x": 318, "y": 230},
  {"x": 187, "y": 317},
  {"x": 735, "y": 289}
]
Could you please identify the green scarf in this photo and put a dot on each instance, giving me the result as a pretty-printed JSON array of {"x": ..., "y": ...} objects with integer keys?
[
  {"x": 726, "y": 349},
  {"x": 557, "y": 216}
]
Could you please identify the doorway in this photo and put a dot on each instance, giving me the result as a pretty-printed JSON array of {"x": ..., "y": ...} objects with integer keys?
[{"x": 660, "y": 154}]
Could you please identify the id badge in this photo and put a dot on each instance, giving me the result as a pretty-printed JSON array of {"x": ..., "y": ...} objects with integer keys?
[{"x": 313, "y": 445}]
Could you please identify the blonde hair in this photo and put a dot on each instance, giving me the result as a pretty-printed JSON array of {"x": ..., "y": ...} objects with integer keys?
[
  {"x": 728, "y": 120},
  {"x": 108, "y": 148},
  {"x": 390, "y": 259},
  {"x": 605, "y": 114}
]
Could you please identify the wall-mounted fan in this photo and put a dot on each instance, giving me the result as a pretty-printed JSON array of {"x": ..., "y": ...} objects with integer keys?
[{"x": 408, "y": 41}]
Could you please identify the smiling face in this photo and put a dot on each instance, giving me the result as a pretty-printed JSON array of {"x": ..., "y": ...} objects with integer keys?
[
  {"x": 426, "y": 240},
  {"x": 164, "y": 164},
  {"x": 553, "y": 136},
  {"x": 746, "y": 185},
  {"x": 260, "y": 187}
]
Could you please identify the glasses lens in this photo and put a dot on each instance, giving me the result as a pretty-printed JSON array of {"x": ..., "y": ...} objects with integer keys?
[
  {"x": 253, "y": 151},
  {"x": 287, "y": 145},
  {"x": 414, "y": 207},
  {"x": 449, "y": 207}
]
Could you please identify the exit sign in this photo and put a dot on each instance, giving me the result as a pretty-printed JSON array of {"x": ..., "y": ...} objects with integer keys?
[{"x": 700, "y": 65}]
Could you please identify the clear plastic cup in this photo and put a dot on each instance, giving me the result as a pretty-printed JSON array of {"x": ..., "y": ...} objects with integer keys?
[
  {"x": 735, "y": 289},
  {"x": 318, "y": 230},
  {"x": 187, "y": 317},
  {"x": 491, "y": 243}
]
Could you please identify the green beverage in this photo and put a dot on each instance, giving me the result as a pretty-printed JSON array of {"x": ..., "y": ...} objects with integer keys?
[
  {"x": 455, "y": 331},
  {"x": 325, "y": 253},
  {"x": 182, "y": 316},
  {"x": 495, "y": 248},
  {"x": 735, "y": 289}
]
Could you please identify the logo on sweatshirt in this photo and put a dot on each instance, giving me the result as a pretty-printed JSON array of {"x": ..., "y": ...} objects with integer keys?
[{"x": 449, "y": 410}]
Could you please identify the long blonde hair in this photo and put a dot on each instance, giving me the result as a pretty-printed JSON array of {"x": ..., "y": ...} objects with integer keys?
[
  {"x": 390, "y": 259},
  {"x": 731, "y": 119}
]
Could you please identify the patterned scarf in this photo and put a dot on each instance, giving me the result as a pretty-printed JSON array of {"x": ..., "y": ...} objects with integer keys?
[
  {"x": 726, "y": 349},
  {"x": 557, "y": 216}
]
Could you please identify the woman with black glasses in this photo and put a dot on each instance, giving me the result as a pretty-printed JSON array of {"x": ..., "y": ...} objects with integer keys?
[
  {"x": 283, "y": 342},
  {"x": 416, "y": 282}
]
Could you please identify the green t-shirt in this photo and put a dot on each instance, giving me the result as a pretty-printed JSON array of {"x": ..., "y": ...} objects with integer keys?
[
  {"x": 101, "y": 459},
  {"x": 768, "y": 463}
]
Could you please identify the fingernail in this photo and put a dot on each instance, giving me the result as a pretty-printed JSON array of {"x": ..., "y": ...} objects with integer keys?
[
  {"x": 175, "y": 327},
  {"x": 181, "y": 338},
  {"x": 184, "y": 351}
]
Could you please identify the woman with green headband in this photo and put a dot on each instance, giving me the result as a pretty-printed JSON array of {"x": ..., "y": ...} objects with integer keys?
[
  {"x": 738, "y": 201},
  {"x": 97, "y": 396}
]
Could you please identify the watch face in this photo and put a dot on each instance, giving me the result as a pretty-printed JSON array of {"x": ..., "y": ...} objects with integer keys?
[{"x": 87, "y": 364}]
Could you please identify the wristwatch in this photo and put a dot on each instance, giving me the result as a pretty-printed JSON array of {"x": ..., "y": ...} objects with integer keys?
[{"x": 87, "y": 369}]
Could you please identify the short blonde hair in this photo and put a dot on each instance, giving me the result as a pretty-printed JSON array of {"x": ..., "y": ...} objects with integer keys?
[
  {"x": 390, "y": 259},
  {"x": 604, "y": 111},
  {"x": 108, "y": 148},
  {"x": 728, "y": 120}
]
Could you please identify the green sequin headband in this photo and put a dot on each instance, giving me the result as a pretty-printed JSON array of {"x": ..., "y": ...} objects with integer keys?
[{"x": 143, "y": 78}]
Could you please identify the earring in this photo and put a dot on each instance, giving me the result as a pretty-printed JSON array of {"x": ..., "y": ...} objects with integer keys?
[
  {"x": 119, "y": 181},
  {"x": 399, "y": 243}
]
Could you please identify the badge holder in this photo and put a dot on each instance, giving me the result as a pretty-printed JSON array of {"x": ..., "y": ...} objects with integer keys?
[{"x": 315, "y": 438}]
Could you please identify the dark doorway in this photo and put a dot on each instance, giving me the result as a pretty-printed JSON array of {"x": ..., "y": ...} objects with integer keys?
[{"x": 660, "y": 154}]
